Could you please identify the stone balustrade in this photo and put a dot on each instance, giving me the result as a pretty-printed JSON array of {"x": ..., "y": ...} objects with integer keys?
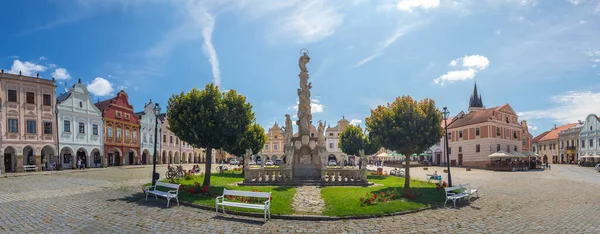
[
  {"x": 346, "y": 176},
  {"x": 284, "y": 176},
  {"x": 268, "y": 176}
]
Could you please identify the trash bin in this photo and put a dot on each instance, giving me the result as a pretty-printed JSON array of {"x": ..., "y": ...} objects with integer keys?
[{"x": 380, "y": 170}]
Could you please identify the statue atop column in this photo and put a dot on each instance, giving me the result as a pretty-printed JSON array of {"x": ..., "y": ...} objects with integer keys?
[
  {"x": 304, "y": 113},
  {"x": 288, "y": 148}
]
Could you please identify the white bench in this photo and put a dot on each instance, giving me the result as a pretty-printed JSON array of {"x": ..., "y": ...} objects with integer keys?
[
  {"x": 468, "y": 190},
  {"x": 452, "y": 195},
  {"x": 431, "y": 177},
  {"x": 168, "y": 195},
  {"x": 30, "y": 168},
  {"x": 266, "y": 206}
]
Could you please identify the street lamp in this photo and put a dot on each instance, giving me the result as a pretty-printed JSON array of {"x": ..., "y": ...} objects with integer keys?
[
  {"x": 445, "y": 112},
  {"x": 156, "y": 113}
]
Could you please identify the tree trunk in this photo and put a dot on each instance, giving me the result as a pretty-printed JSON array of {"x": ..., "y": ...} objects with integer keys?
[
  {"x": 407, "y": 171},
  {"x": 208, "y": 166}
]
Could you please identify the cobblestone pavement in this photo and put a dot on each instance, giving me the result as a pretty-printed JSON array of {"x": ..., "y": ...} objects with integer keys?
[
  {"x": 562, "y": 200},
  {"x": 307, "y": 200}
]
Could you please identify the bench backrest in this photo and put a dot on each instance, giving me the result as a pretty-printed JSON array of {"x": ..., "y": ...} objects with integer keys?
[
  {"x": 167, "y": 185},
  {"x": 452, "y": 189},
  {"x": 246, "y": 193},
  {"x": 465, "y": 186}
]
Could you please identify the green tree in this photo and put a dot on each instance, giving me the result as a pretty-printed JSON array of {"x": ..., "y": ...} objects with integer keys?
[
  {"x": 406, "y": 126},
  {"x": 352, "y": 140},
  {"x": 209, "y": 119},
  {"x": 254, "y": 139}
]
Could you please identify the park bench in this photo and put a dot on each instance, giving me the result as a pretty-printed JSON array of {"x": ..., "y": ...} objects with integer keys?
[
  {"x": 469, "y": 191},
  {"x": 431, "y": 177},
  {"x": 266, "y": 206},
  {"x": 453, "y": 195},
  {"x": 171, "y": 194},
  {"x": 30, "y": 168}
]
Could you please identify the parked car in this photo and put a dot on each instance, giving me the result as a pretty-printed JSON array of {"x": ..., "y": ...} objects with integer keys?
[
  {"x": 332, "y": 163},
  {"x": 269, "y": 162},
  {"x": 278, "y": 162},
  {"x": 251, "y": 162},
  {"x": 234, "y": 161},
  {"x": 598, "y": 167},
  {"x": 259, "y": 161}
]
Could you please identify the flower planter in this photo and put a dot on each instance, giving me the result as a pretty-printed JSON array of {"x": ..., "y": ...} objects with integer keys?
[
  {"x": 425, "y": 169},
  {"x": 468, "y": 169},
  {"x": 445, "y": 170}
]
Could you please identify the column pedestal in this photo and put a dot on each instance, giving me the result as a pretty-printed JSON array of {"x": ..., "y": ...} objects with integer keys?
[
  {"x": 38, "y": 162},
  {"x": 2, "y": 170},
  {"x": 19, "y": 166},
  {"x": 104, "y": 161}
]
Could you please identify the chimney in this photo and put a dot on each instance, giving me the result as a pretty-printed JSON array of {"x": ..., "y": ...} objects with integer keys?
[
  {"x": 19, "y": 72},
  {"x": 79, "y": 80},
  {"x": 2, "y": 71},
  {"x": 554, "y": 126},
  {"x": 579, "y": 121},
  {"x": 37, "y": 75}
]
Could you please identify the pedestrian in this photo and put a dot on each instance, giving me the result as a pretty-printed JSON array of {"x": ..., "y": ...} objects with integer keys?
[{"x": 78, "y": 163}]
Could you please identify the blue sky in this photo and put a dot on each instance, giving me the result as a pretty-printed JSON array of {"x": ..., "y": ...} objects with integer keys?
[{"x": 542, "y": 57}]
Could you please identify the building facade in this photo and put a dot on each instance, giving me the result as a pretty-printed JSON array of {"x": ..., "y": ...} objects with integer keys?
[
  {"x": 473, "y": 136},
  {"x": 589, "y": 137},
  {"x": 80, "y": 129},
  {"x": 535, "y": 144},
  {"x": 569, "y": 143},
  {"x": 549, "y": 145},
  {"x": 526, "y": 137},
  {"x": 121, "y": 129},
  {"x": 273, "y": 148},
  {"x": 173, "y": 150},
  {"x": 147, "y": 133},
  {"x": 438, "y": 156},
  {"x": 27, "y": 122},
  {"x": 332, "y": 139}
]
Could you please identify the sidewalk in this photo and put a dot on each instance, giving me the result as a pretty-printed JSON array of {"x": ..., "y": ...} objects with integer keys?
[{"x": 19, "y": 174}]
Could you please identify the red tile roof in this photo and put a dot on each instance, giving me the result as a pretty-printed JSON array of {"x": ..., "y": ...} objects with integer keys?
[
  {"x": 538, "y": 137},
  {"x": 104, "y": 104},
  {"x": 553, "y": 134},
  {"x": 475, "y": 117}
]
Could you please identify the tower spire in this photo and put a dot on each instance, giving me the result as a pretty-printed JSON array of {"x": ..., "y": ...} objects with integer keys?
[{"x": 475, "y": 100}]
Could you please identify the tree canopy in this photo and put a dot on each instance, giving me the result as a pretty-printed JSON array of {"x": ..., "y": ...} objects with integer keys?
[
  {"x": 209, "y": 119},
  {"x": 254, "y": 139},
  {"x": 406, "y": 126}
]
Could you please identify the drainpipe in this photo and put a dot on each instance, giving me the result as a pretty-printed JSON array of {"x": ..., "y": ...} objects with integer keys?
[{"x": 58, "y": 161}]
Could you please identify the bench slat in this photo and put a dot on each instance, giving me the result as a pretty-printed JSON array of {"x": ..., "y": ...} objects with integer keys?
[
  {"x": 168, "y": 185},
  {"x": 246, "y": 193},
  {"x": 243, "y": 205}
]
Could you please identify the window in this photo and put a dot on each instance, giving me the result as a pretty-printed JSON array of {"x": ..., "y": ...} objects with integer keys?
[
  {"x": 591, "y": 142},
  {"x": 171, "y": 139},
  {"x": 164, "y": 138},
  {"x": 118, "y": 133},
  {"x": 151, "y": 139},
  {"x": 582, "y": 143},
  {"x": 477, "y": 133},
  {"x": 562, "y": 144},
  {"x": 312, "y": 134},
  {"x": 450, "y": 136},
  {"x": 330, "y": 134},
  {"x": 47, "y": 127},
  {"x": 67, "y": 126},
  {"x": 331, "y": 145},
  {"x": 460, "y": 149},
  {"x": 534, "y": 149},
  {"x": 80, "y": 104},
  {"x": 523, "y": 141},
  {"x": 508, "y": 148},
  {"x": 30, "y": 126},
  {"x": 47, "y": 100},
  {"x": 544, "y": 147},
  {"x": 515, "y": 148},
  {"x": 95, "y": 129},
  {"x": 591, "y": 128},
  {"x": 109, "y": 132},
  {"x": 177, "y": 141},
  {"x": 266, "y": 147},
  {"x": 449, "y": 150},
  {"x": 497, "y": 131},
  {"x": 13, "y": 125},
  {"x": 127, "y": 134},
  {"x": 30, "y": 97},
  {"x": 477, "y": 148},
  {"x": 572, "y": 141},
  {"x": 126, "y": 116},
  {"x": 437, "y": 144},
  {"x": 118, "y": 114},
  {"x": 81, "y": 127},
  {"x": 275, "y": 146},
  {"x": 144, "y": 137},
  {"x": 12, "y": 95},
  {"x": 507, "y": 121},
  {"x": 134, "y": 133},
  {"x": 515, "y": 134},
  {"x": 275, "y": 137},
  {"x": 498, "y": 147},
  {"x": 459, "y": 135}
]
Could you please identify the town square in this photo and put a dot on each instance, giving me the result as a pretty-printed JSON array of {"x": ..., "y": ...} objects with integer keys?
[{"x": 276, "y": 117}]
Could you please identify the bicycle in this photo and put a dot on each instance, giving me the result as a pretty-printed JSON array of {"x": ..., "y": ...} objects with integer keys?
[{"x": 397, "y": 172}]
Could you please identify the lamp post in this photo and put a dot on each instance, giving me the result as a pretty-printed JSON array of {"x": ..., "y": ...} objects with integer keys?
[
  {"x": 445, "y": 112},
  {"x": 156, "y": 113}
]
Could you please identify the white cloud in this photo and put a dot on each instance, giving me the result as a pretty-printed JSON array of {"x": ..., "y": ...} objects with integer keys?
[
  {"x": 101, "y": 87},
  {"x": 315, "y": 106},
  {"x": 582, "y": 22},
  {"x": 355, "y": 122},
  {"x": 61, "y": 74},
  {"x": 13, "y": 57},
  {"x": 453, "y": 76},
  {"x": 498, "y": 31},
  {"x": 532, "y": 127},
  {"x": 574, "y": 2},
  {"x": 569, "y": 107},
  {"x": 367, "y": 59},
  {"x": 472, "y": 64},
  {"x": 26, "y": 68},
  {"x": 409, "y": 5},
  {"x": 310, "y": 22},
  {"x": 43, "y": 58}
]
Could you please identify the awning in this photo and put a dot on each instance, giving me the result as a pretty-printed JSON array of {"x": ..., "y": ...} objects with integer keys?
[{"x": 502, "y": 154}]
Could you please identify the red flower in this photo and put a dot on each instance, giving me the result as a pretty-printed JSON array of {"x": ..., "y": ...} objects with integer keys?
[
  {"x": 270, "y": 198},
  {"x": 361, "y": 199},
  {"x": 374, "y": 196},
  {"x": 413, "y": 196},
  {"x": 393, "y": 196}
]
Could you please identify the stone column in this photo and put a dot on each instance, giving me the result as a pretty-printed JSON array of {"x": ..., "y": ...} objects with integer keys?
[
  {"x": 2, "y": 170},
  {"x": 19, "y": 166},
  {"x": 74, "y": 160},
  {"x": 38, "y": 161},
  {"x": 104, "y": 161}
]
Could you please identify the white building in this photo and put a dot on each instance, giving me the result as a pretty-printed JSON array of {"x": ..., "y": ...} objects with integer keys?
[
  {"x": 589, "y": 138},
  {"x": 438, "y": 155},
  {"x": 147, "y": 124},
  {"x": 332, "y": 138},
  {"x": 80, "y": 129}
]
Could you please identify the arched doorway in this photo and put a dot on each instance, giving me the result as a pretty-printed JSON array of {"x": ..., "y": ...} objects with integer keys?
[
  {"x": 132, "y": 156},
  {"x": 28, "y": 156},
  {"x": 96, "y": 158},
  {"x": 545, "y": 160},
  {"x": 283, "y": 159},
  {"x": 48, "y": 156},
  {"x": 82, "y": 155},
  {"x": 177, "y": 157},
  {"x": 274, "y": 157},
  {"x": 438, "y": 157},
  {"x": 114, "y": 157},
  {"x": 164, "y": 157},
  {"x": 66, "y": 155},
  {"x": 170, "y": 157},
  {"x": 10, "y": 159},
  {"x": 145, "y": 155},
  {"x": 331, "y": 158}
]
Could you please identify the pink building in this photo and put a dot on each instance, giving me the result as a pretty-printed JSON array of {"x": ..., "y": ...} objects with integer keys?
[
  {"x": 27, "y": 122},
  {"x": 172, "y": 150}
]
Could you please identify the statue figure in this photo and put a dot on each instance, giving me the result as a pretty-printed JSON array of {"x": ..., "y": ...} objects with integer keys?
[
  {"x": 302, "y": 61},
  {"x": 247, "y": 157},
  {"x": 321, "y": 132},
  {"x": 288, "y": 130}
]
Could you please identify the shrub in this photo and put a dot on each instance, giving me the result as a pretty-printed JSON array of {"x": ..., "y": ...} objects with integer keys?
[{"x": 188, "y": 176}]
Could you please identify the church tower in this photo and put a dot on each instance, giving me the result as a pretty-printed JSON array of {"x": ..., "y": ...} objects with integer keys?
[{"x": 475, "y": 103}]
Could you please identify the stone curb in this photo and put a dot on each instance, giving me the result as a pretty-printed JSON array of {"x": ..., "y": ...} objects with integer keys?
[
  {"x": 21, "y": 174},
  {"x": 310, "y": 217}
]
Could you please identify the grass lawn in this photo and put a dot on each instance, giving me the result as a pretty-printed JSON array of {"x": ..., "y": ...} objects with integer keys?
[
  {"x": 345, "y": 201},
  {"x": 282, "y": 196}
]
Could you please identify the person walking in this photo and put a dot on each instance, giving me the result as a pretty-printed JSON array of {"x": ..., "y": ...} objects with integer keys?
[{"x": 78, "y": 163}]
